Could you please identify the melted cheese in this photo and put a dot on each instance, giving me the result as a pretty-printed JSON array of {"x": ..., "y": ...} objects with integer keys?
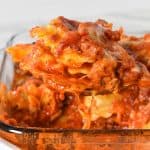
[{"x": 100, "y": 105}]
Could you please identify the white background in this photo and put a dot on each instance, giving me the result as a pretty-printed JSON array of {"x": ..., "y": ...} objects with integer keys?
[
  {"x": 20, "y": 11},
  {"x": 16, "y": 15}
]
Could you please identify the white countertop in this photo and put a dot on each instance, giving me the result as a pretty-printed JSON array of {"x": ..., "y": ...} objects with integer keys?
[{"x": 17, "y": 15}]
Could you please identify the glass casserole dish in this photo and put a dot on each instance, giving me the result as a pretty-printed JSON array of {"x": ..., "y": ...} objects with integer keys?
[{"x": 65, "y": 139}]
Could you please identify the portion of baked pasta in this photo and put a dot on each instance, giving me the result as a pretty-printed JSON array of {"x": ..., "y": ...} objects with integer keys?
[{"x": 79, "y": 75}]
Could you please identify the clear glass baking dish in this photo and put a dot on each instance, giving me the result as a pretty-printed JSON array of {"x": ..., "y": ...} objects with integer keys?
[{"x": 60, "y": 139}]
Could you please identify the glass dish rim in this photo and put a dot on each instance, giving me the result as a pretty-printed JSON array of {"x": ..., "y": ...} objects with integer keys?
[{"x": 20, "y": 130}]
